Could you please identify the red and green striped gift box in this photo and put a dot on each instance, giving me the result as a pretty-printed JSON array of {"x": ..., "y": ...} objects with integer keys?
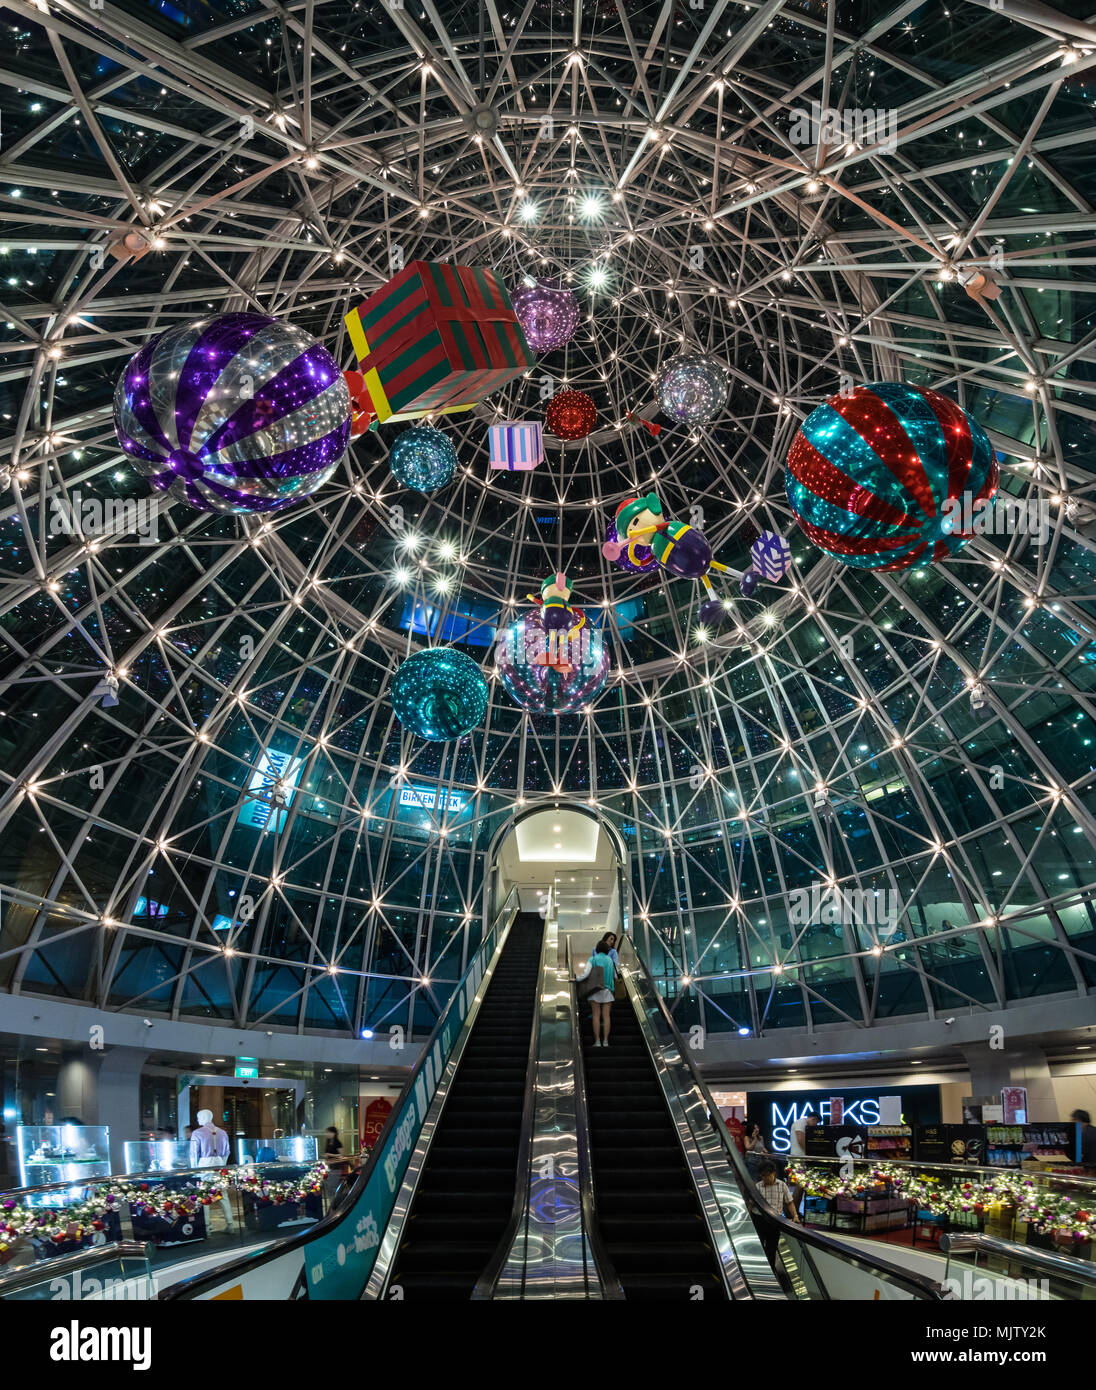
[{"x": 437, "y": 339}]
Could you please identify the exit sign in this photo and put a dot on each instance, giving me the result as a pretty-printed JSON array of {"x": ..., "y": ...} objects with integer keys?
[{"x": 247, "y": 1073}]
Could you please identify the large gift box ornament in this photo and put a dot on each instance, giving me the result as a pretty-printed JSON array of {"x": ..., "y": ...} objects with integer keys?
[
  {"x": 436, "y": 339},
  {"x": 517, "y": 447}
]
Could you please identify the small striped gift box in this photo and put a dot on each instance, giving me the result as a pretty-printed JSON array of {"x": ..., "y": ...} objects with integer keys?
[
  {"x": 517, "y": 447},
  {"x": 772, "y": 555}
]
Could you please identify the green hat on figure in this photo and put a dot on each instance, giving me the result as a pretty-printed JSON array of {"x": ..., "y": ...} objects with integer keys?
[
  {"x": 627, "y": 512},
  {"x": 550, "y": 581}
]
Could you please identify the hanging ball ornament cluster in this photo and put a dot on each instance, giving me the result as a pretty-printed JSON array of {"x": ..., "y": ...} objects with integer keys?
[
  {"x": 548, "y": 314},
  {"x": 570, "y": 415},
  {"x": 235, "y": 413},
  {"x": 439, "y": 694},
  {"x": 556, "y": 687},
  {"x": 890, "y": 476},
  {"x": 691, "y": 389},
  {"x": 423, "y": 458}
]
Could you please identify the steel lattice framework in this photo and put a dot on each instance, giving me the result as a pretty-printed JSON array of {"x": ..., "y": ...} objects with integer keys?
[{"x": 285, "y": 158}]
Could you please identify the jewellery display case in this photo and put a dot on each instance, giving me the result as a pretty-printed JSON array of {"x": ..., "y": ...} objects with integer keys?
[
  {"x": 296, "y": 1148},
  {"x": 155, "y": 1155},
  {"x": 62, "y": 1153}
]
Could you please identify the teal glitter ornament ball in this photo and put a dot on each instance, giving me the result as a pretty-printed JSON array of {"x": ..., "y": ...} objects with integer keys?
[
  {"x": 423, "y": 458},
  {"x": 439, "y": 694}
]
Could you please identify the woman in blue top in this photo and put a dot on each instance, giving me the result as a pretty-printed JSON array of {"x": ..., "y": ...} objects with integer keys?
[
  {"x": 607, "y": 945},
  {"x": 601, "y": 999}
]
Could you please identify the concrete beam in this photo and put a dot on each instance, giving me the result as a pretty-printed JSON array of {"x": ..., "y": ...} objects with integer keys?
[
  {"x": 73, "y": 1024},
  {"x": 1027, "y": 1022}
]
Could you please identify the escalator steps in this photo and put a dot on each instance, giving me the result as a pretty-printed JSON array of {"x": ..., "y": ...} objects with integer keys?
[
  {"x": 466, "y": 1192},
  {"x": 648, "y": 1211}
]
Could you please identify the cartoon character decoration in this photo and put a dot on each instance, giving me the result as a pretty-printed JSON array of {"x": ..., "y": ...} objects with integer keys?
[
  {"x": 677, "y": 547},
  {"x": 558, "y": 620},
  {"x": 634, "y": 557},
  {"x": 652, "y": 427},
  {"x": 889, "y": 476}
]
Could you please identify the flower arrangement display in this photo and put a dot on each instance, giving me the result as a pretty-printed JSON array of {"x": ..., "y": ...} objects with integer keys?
[
  {"x": 148, "y": 1201},
  {"x": 98, "y": 1212},
  {"x": 269, "y": 1192},
  {"x": 1054, "y": 1212}
]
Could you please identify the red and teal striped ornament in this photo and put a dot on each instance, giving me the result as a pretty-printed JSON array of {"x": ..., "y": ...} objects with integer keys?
[{"x": 890, "y": 476}]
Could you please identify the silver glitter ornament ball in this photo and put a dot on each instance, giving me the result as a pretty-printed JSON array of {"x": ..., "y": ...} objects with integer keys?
[{"x": 692, "y": 389}]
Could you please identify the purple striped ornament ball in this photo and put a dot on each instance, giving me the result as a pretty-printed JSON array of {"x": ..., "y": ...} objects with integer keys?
[{"x": 236, "y": 413}]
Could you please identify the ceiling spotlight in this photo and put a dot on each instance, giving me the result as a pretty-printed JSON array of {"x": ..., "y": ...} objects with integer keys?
[
  {"x": 528, "y": 212},
  {"x": 591, "y": 206}
]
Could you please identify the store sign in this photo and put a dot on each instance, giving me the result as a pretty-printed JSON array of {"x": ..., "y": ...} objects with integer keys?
[
  {"x": 273, "y": 785},
  {"x": 376, "y": 1113},
  {"x": 427, "y": 799},
  {"x": 785, "y": 1114}
]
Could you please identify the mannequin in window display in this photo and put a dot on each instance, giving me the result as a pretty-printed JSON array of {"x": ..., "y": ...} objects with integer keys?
[
  {"x": 209, "y": 1149},
  {"x": 208, "y": 1144}
]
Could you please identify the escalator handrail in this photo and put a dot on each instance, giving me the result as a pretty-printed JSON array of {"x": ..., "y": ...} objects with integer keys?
[
  {"x": 1083, "y": 1271},
  {"x": 38, "y": 1271},
  {"x": 603, "y": 1264},
  {"x": 340, "y": 1210},
  {"x": 794, "y": 1230},
  {"x": 487, "y": 1283}
]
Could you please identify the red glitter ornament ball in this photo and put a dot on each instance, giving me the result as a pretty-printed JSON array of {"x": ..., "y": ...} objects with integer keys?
[{"x": 570, "y": 415}]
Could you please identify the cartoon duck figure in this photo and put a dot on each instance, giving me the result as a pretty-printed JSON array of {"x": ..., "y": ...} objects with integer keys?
[
  {"x": 558, "y": 620},
  {"x": 678, "y": 548}
]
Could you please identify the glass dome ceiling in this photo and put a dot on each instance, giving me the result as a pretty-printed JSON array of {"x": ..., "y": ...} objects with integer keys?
[{"x": 285, "y": 161}]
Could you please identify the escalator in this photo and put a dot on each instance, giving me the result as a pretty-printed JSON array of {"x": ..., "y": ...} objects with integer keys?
[
  {"x": 464, "y": 1197},
  {"x": 676, "y": 1208},
  {"x": 649, "y": 1213}
]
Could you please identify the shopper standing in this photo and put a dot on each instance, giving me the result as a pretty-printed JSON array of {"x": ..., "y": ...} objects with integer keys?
[
  {"x": 797, "y": 1131},
  {"x": 332, "y": 1149},
  {"x": 777, "y": 1197},
  {"x": 607, "y": 947},
  {"x": 754, "y": 1147},
  {"x": 601, "y": 998},
  {"x": 1088, "y": 1140}
]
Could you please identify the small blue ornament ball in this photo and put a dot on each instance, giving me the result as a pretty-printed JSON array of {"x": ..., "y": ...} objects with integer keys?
[
  {"x": 439, "y": 694},
  {"x": 423, "y": 458}
]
